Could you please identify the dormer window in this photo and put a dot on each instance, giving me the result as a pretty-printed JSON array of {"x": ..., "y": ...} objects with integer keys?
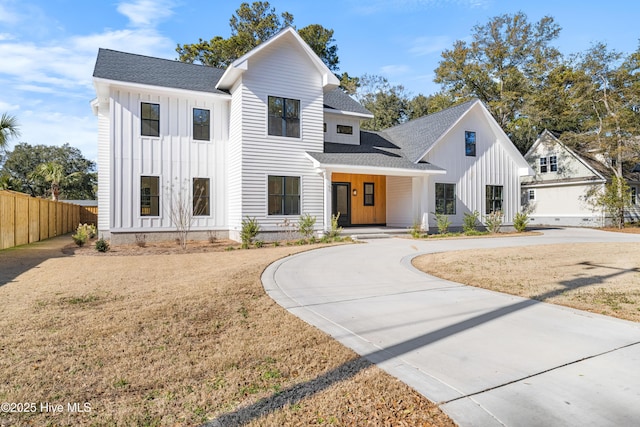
[
  {"x": 548, "y": 164},
  {"x": 470, "y": 143},
  {"x": 553, "y": 163},
  {"x": 543, "y": 165},
  {"x": 284, "y": 117}
]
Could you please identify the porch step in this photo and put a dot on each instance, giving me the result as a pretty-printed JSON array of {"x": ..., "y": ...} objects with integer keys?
[{"x": 370, "y": 236}]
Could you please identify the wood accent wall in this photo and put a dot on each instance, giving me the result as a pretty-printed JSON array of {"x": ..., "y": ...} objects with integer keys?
[{"x": 361, "y": 214}]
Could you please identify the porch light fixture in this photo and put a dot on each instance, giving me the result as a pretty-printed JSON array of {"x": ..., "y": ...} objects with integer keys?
[{"x": 355, "y": 192}]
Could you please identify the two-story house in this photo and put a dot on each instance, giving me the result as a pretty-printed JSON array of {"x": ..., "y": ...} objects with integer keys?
[
  {"x": 562, "y": 190},
  {"x": 272, "y": 137}
]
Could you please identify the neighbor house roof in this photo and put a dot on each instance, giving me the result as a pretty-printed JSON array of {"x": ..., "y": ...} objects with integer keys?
[
  {"x": 146, "y": 70},
  {"x": 374, "y": 151}
]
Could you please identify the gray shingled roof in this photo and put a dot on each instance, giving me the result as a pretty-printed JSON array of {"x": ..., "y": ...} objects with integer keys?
[
  {"x": 337, "y": 99},
  {"x": 374, "y": 151},
  {"x": 131, "y": 68},
  {"x": 416, "y": 136}
]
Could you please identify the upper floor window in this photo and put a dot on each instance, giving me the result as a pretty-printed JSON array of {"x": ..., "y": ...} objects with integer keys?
[
  {"x": 284, "y": 195},
  {"x": 149, "y": 196},
  {"x": 445, "y": 199},
  {"x": 201, "y": 198},
  {"x": 543, "y": 165},
  {"x": 494, "y": 198},
  {"x": 553, "y": 163},
  {"x": 284, "y": 117},
  {"x": 347, "y": 130},
  {"x": 470, "y": 143},
  {"x": 201, "y": 124},
  {"x": 369, "y": 194},
  {"x": 150, "y": 119}
]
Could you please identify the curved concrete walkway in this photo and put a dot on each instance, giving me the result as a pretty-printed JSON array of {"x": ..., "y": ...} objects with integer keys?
[{"x": 488, "y": 359}]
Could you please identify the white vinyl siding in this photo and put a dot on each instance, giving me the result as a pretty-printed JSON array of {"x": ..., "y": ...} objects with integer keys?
[
  {"x": 332, "y": 135},
  {"x": 285, "y": 72},
  {"x": 400, "y": 201}
]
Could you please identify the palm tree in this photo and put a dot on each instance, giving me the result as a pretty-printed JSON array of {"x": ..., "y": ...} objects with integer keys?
[
  {"x": 8, "y": 129},
  {"x": 53, "y": 173}
]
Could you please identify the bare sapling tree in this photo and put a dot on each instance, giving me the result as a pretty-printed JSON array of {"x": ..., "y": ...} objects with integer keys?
[{"x": 182, "y": 208}]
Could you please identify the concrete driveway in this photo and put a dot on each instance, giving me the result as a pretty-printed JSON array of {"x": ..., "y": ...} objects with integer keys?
[{"x": 488, "y": 359}]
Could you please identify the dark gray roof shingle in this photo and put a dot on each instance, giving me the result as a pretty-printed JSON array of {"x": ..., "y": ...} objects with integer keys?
[
  {"x": 418, "y": 135},
  {"x": 131, "y": 68},
  {"x": 374, "y": 151},
  {"x": 337, "y": 99}
]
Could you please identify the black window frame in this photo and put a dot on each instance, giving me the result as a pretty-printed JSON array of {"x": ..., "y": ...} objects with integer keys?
[
  {"x": 344, "y": 129},
  {"x": 368, "y": 192},
  {"x": 201, "y": 198},
  {"x": 147, "y": 196},
  {"x": 201, "y": 128},
  {"x": 531, "y": 194},
  {"x": 553, "y": 163},
  {"x": 445, "y": 195},
  {"x": 470, "y": 143},
  {"x": 281, "y": 200},
  {"x": 149, "y": 123},
  {"x": 281, "y": 121},
  {"x": 493, "y": 203}
]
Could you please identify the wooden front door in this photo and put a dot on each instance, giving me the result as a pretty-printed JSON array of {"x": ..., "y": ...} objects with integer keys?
[{"x": 341, "y": 203}]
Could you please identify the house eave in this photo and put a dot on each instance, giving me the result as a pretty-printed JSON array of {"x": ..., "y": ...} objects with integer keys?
[
  {"x": 348, "y": 113},
  {"x": 100, "y": 83}
]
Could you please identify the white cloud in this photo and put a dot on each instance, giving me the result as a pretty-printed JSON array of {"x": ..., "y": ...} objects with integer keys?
[
  {"x": 430, "y": 44},
  {"x": 394, "y": 70},
  {"x": 146, "y": 13}
]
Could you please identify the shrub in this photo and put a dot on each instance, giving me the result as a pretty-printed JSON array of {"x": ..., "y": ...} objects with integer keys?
[
  {"x": 470, "y": 222},
  {"x": 416, "y": 230},
  {"x": 305, "y": 225},
  {"x": 335, "y": 228},
  {"x": 102, "y": 245},
  {"x": 249, "y": 231},
  {"x": 81, "y": 236},
  {"x": 443, "y": 223},
  {"x": 493, "y": 222},
  {"x": 520, "y": 222},
  {"x": 259, "y": 243}
]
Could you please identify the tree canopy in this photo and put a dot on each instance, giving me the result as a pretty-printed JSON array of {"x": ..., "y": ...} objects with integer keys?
[
  {"x": 250, "y": 26},
  {"x": 8, "y": 129},
  {"x": 68, "y": 169}
]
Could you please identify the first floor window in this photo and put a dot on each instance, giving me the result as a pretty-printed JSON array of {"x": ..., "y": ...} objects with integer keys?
[
  {"x": 284, "y": 195},
  {"x": 494, "y": 198},
  {"x": 445, "y": 199},
  {"x": 149, "y": 196},
  {"x": 201, "y": 124},
  {"x": 532, "y": 194},
  {"x": 150, "y": 119},
  {"x": 201, "y": 204},
  {"x": 470, "y": 143},
  {"x": 368, "y": 194},
  {"x": 284, "y": 117},
  {"x": 634, "y": 195},
  {"x": 344, "y": 129}
]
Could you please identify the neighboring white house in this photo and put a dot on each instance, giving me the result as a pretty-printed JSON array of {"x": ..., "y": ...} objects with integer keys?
[
  {"x": 559, "y": 192},
  {"x": 272, "y": 137}
]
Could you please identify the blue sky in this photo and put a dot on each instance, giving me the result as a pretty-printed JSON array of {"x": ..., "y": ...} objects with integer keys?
[{"x": 48, "y": 47}]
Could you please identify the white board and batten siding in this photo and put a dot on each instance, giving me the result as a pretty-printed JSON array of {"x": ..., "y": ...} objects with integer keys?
[
  {"x": 174, "y": 157},
  {"x": 286, "y": 72},
  {"x": 492, "y": 165},
  {"x": 332, "y": 122}
]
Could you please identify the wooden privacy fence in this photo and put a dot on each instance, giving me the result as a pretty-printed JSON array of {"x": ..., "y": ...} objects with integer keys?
[{"x": 25, "y": 219}]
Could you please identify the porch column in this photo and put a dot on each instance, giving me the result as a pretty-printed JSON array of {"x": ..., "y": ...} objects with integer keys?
[
  {"x": 421, "y": 200},
  {"x": 326, "y": 176}
]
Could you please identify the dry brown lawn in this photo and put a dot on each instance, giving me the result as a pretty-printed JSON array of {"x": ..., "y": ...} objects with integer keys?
[
  {"x": 177, "y": 339},
  {"x": 600, "y": 277}
]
